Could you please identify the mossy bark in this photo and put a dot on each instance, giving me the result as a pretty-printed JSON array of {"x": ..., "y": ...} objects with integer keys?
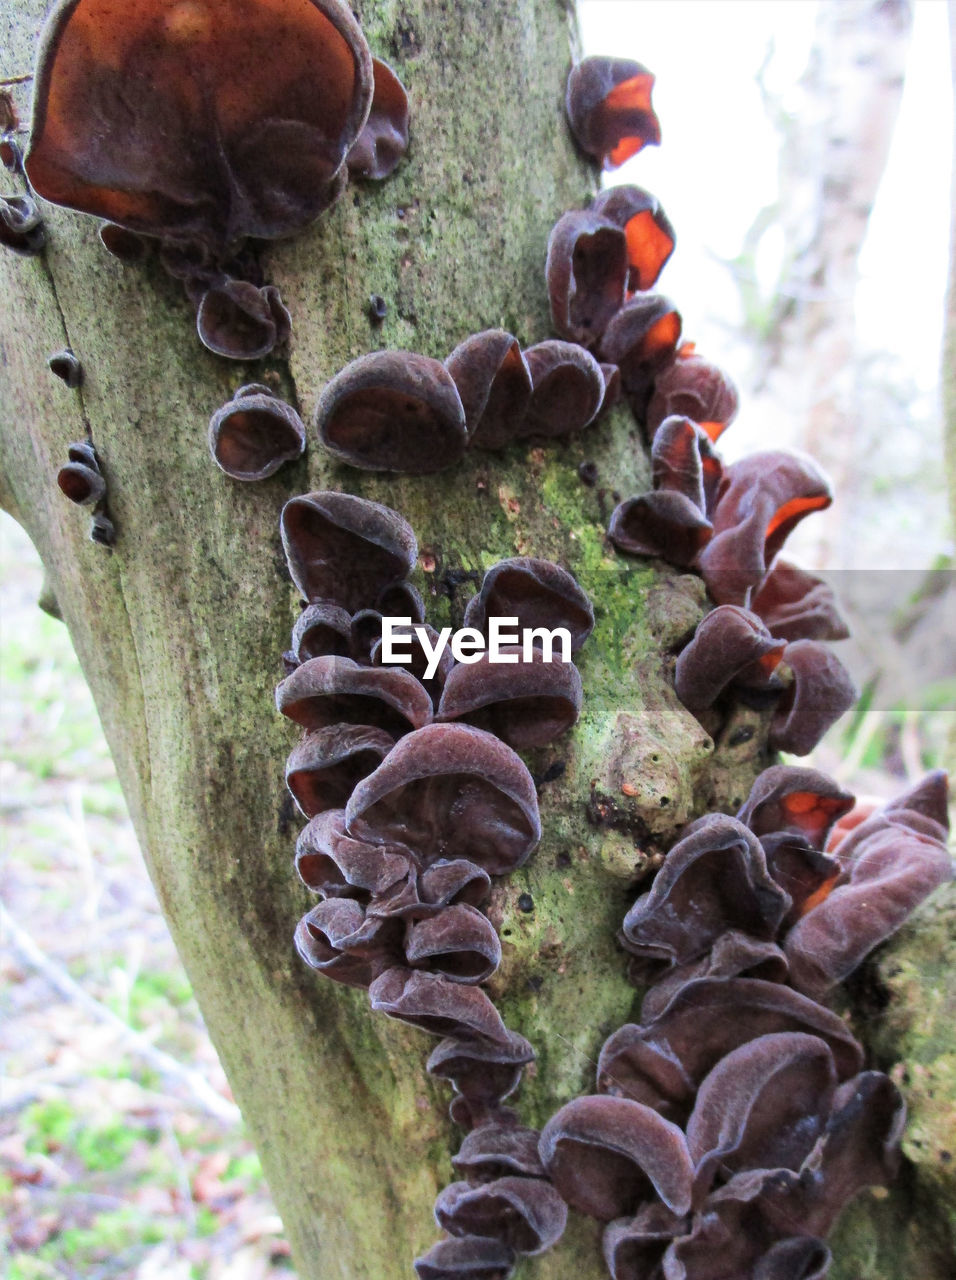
[{"x": 179, "y": 629}]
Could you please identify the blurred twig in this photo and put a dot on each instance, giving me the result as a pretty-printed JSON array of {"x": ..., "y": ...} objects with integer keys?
[{"x": 201, "y": 1092}]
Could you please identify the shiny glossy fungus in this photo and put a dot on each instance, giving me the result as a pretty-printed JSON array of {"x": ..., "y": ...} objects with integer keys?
[
  {"x": 393, "y": 411},
  {"x": 608, "y": 105},
  {"x": 345, "y": 549},
  {"x": 193, "y": 122},
  {"x": 253, "y": 435},
  {"x": 451, "y": 791},
  {"x": 586, "y": 271},
  {"x": 494, "y": 384},
  {"x": 81, "y": 483},
  {"x": 384, "y": 137},
  {"x": 648, "y": 232}
]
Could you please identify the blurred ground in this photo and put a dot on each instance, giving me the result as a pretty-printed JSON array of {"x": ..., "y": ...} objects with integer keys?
[{"x": 109, "y": 1170}]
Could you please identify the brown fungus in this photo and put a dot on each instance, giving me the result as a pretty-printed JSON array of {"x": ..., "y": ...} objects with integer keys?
[
  {"x": 384, "y": 137},
  {"x": 797, "y": 605},
  {"x": 731, "y": 647},
  {"x": 608, "y": 105},
  {"x": 693, "y": 387},
  {"x": 633, "y": 1246},
  {"x": 663, "y": 523},
  {"x": 497, "y": 1151},
  {"x": 137, "y": 117},
  {"x": 345, "y": 549},
  {"x": 242, "y": 321},
  {"x": 332, "y": 863},
  {"x": 761, "y": 501},
  {"x": 526, "y": 704},
  {"x": 526, "y": 1214},
  {"x": 567, "y": 388},
  {"x": 451, "y": 791},
  {"x": 733, "y": 955},
  {"x": 683, "y": 460},
  {"x": 322, "y": 629},
  {"x": 791, "y": 798},
  {"x": 122, "y": 244},
  {"x": 712, "y": 881},
  {"x": 606, "y": 1155},
  {"x": 466, "y": 1258},
  {"x": 641, "y": 340},
  {"x": 81, "y": 483},
  {"x": 457, "y": 941},
  {"x": 254, "y": 434},
  {"x": 417, "y": 657},
  {"x": 586, "y": 271},
  {"x": 820, "y": 691},
  {"x": 323, "y": 770},
  {"x": 21, "y": 227},
  {"x": 537, "y": 593},
  {"x": 647, "y": 230},
  {"x": 337, "y": 939},
  {"x": 494, "y": 383},
  {"x": 331, "y": 690},
  {"x": 393, "y": 411},
  {"x": 433, "y": 1003}
]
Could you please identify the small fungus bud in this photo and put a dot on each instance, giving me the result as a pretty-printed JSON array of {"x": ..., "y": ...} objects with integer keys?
[
  {"x": 66, "y": 366},
  {"x": 254, "y": 434},
  {"x": 21, "y": 227},
  {"x": 384, "y": 137}
]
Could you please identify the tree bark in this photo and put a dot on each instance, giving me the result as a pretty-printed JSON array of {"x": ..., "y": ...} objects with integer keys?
[{"x": 180, "y": 628}]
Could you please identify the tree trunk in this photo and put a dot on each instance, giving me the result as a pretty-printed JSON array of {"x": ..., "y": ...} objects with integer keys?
[{"x": 180, "y": 628}]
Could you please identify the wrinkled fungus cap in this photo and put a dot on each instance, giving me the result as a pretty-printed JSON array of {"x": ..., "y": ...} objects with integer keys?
[
  {"x": 527, "y": 704},
  {"x": 649, "y": 234},
  {"x": 384, "y": 137},
  {"x": 494, "y": 383},
  {"x": 393, "y": 411},
  {"x": 332, "y": 690},
  {"x": 586, "y": 271},
  {"x": 241, "y": 321},
  {"x": 345, "y": 549},
  {"x": 323, "y": 769},
  {"x": 526, "y": 1214},
  {"x": 608, "y": 104},
  {"x": 538, "y": 593},
  {"x": 567, "y": 389},
  {"x": 187, "y": 120}
]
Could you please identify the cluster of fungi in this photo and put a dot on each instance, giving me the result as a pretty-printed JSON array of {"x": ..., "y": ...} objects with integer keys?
[{"x": 732, "y": 1123}]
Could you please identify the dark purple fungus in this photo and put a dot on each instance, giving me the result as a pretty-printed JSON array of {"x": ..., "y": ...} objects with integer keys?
[
  {"x": 345, "y": 549},
  {"x": 762, "y": 500},
  {"x": 454, "y": 880},
  {"x": 890, "y": 864},
  {"x": 494, "y": 384},
  {"x": 66, "y": 367},
  {"x": 401, "y": 600},
  {"x": 81, "y": 483},
  {"x": 254, "y": 434},
  {"x": 364, "y": 634},
  {"x": 665, "y": 524},
  {"x": 763, "y": 1106},
  {"x": 498, "y": 1151},
  {"x": 526, "y": 704},
  {"x": 798, "y": 1258},
  {"x": 331, "y": 863},
  {"x": 731, "y": 646},
  {"x": 451, "y": 791},
  {"x": 820, "y": 691},
  {"x": 415, "y": 657},
  {"x": 606, "y": 1155},
  {"x": 712, "y": 881},
  {"x": 526, "y": 1214},
  {"x": 929, "y": 797},
  {"x": 242, "y": 321},
  {"x": 538, "y": 593},
  {"x": 384, "y": 137},
  {"x": 694, "y": 388},
  {"x": 458, "y": 941},
  {"x": 21, "y": 227},
  {"x": 434, "y": 1003},
  {"x": 733, "y": 955},
  {"x": 136, "y": 118},
  {"x": 641, "y": 340},
  {"x": 683, "y": 460},
  {"x": 393, "y": 411},
  {"x": 320, "y": 630},
  {"x": 608, "y": 105},
  {"x": 466, "y": 1258},
  {"x": 797, "y": 605},
  {"x": 647, "y": 230},
  {"x": 787, "y": 798},
  {"x": 337, "y": 939},
  {"x": 634, "y": 1246},
  {"x": 102, "y": 530},
  {"x": 331, "y": 690},
  {"x": 586, "y": 271},
  {"x": 122, "y": 244},
  {"x": 322, "y": 771},
  {"x": 613, "y": 390},
  {"x": 481, "y": 1070},
  {"x": 567, "y": 389}
]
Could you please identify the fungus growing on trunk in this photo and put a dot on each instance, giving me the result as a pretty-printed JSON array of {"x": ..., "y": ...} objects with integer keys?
[
  {"x": 526, "y": 704},
  {"x": 384, "y": 137},
  {"x": 524, "y": 1214},
  {"x": 323, "y": 770},
  {"x": 66, "y": 367},
  {"x": 647, "y": 230},
  {"x": 494, "y": 384},
  {"x": 587, "y": 271},
  {"x": 326, "y": 691},
  {"x": 241, "y": 321},
  {"x": 252, "y": 435},
  {"x": 538, "y": 593},
  {"x": 393, "y": 411},
  {"x": 693, "y": 387},
  {"x": 730, "y": 647},
  {"x": 21, "y": 227},
  {"x": 608, "y": 105},
  {"x": 567, "y": 388}
]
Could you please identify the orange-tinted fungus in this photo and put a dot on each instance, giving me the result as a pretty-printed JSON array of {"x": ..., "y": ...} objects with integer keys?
[
  {"x": 648, "y": 246},
  {"x": 631, "y": 95},
  {"x": 794, "y": 509},
  {"x": 823, "y": 892},
  {"x": 626, "y": 148},
  {"x": 662, "y": 335},
  {"x": 713, "y": 430}
]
